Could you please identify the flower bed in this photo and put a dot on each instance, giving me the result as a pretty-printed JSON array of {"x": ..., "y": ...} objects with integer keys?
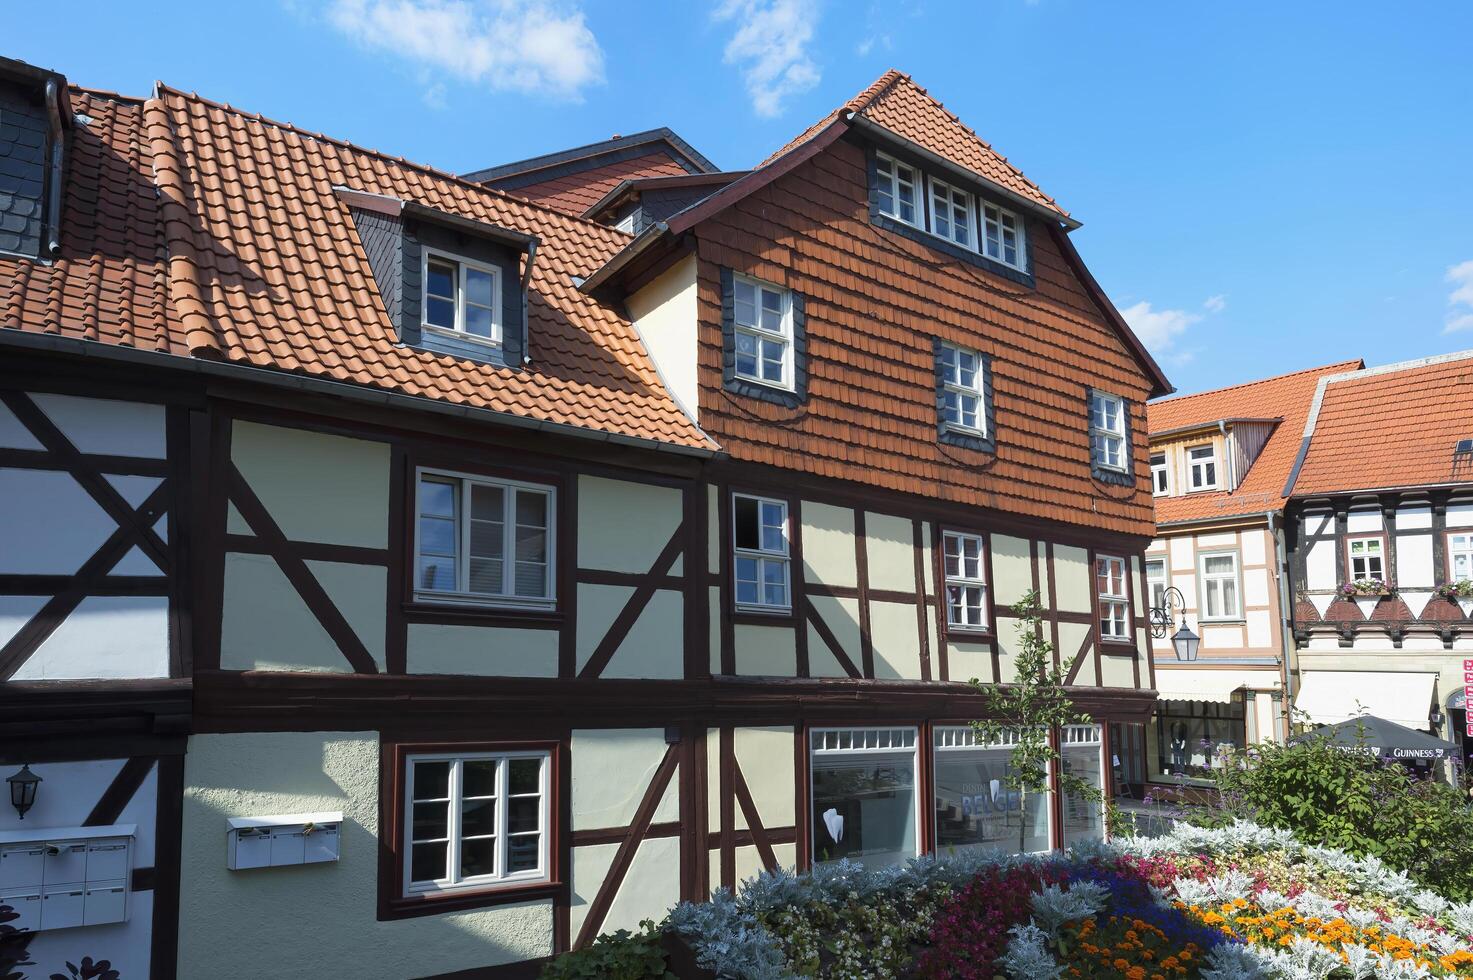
[{"x": 1239, "y": 902}]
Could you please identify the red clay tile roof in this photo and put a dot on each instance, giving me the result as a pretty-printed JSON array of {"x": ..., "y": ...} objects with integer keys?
[
  {"x": 1394, "y": 426},
  {"x": 575, "y": 193},
  {"x": 1286, "y": 397},
  {"x": 265, "y": 268}
]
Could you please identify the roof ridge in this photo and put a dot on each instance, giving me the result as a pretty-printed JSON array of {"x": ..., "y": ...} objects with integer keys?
[
  {"x": 383, "y": 155},
  {"x": 1178, "y": 399},
  {"x": 1416, "y": 362},
  {"x": 872, "y": 91},
  {"x": 108, "y": 95}
]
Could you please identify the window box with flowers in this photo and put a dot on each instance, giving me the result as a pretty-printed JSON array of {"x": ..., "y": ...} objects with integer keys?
[
  {"x": 1460, "y": 592},
  {"x": 1366, "y": 593}
]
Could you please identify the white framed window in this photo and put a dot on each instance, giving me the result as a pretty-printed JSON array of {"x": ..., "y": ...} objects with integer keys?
[
  {"x": 484, "y": 540},
  {"x": 865, "y": 806},
  {"x": 966, "y": 580},
  {"x": 1003, "y": 236},
  {"x": 1460, "y": 556},
  {"x": 762, "y": 319},
  {"x": 476, "y": 819},
  {"x": 461, "y": 297},
  {"x": 760, "y": 539},
  {"x": 626, "y": 224},
  {"x": 1202, "y": 467},
  {"x": 1082, "y": 754},
  {"x": 1156, "y": 581},
  {"x": 1113, "y": 594},
  {"x": 1218, "y": 573},
  {"x": 1107, "y": 431},
  {"x": 896, "y": 189},
  {"x": 963, "y": 393},
  {"x": 1160, "y": 475},
  {"x": 1366, "y": 557},
  {"x": 951, "y": 214},
  {"x": 974, "y": 807}
]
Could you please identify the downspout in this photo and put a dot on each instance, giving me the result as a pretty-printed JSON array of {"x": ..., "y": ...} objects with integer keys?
[
  {"x": 526, "y": 283},
  {"x": 1286, "y": 631},
  {"x": 1228, "y": 456},
  {"x": 58, "y": 149}
]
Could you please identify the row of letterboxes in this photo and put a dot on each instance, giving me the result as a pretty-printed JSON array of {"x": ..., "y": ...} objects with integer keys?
[{"x": 64, "y": 879}]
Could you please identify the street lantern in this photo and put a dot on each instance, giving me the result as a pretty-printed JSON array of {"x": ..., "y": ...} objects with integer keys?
[
  {"x": 1185, "y": 642},
  {"x": 23, "y": 790}
]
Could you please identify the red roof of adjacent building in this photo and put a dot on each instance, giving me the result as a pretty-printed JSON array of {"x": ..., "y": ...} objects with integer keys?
[
  {"x": 1393, "y": 426},
  {"x": 1286, "y": 397}
]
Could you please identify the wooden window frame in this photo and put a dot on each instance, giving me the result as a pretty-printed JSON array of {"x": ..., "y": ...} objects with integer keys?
[
  {"x": 892, "y": 180},
  {"x": 1202, "y": 579},
  {"x": 1466, "y": 532},
  {"x": 1019, "y": 230},
  {"x": 461, "y": 263},
  {"x": 921, "y": 774},
  {"x": 938, "y": 752},
  {"x": 977, "y": 391},
  {"x": 941, "y": 194},
  {"x": 1103, "y": 599},
  {"x": 762, "y": 610},
  {"x": 1192, "y": 485},
  {"x": 1102, "y": 462},
  {"x": 394, "y": 795},
  {"x": 1165, "y": 582},
  {"x": 785, "y": 335},
  {"x": 984, "y": 563},
  {"x": 1379, "y": 536},
  {"x": 1161, "y": 474},
  {"x": 464, "y": 598}
]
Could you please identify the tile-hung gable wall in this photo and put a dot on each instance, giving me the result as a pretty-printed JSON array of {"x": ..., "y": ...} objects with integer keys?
[
  {"x": 24, "y": 141},
  {"x": 875, "y": 301}
]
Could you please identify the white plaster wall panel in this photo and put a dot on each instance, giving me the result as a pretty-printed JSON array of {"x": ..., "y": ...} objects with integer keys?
[
  {"x": 1138, "y": 601},
  {"x": 1321, "y": 564},
  {"x": 1254, "y": 545},
  {"x": 67, "y": 794},
  {"x": 1268, "y": 725},
  {"x": 1423, "y": 643},
  {"x": 713, "y": 783},
  {"x": 234, "y": 523},
  {"x": 765, "y": 757},
  {"x": 890, "y": 548},
  {"x": 1118, "y": 670},
  {"x": 105, "y": 426},
  {"x": 1255, "y": 587},
  {"x": 14, "y": 435},
  {"x": 358, "y": 593},
  {"x": 766, "y": 651},
  {"x": 317, "y": 487},
  {"x": 1074, "y": 579},
  {"x": 749, "y": 860},
  {"x": 1414, "y": 564},
  {"x": 135, "y": 562},
  {"x": 134, "y": 489},
  {"x": 251, "y": 774},
  {"x": 664, "y": 314},
  {"x": 622, "y": 526},
  {"x": 1363, "y": 521},
  {"x": 598, "y": 606},
  {"x": 1414, "y": 517},
  {"x": 265, "y": 625},
  {"x": 487, "y": 651},
  {"x": 161, "y": 528},
  {"x": 713, "y": 529},
  {"x": 821, "y": 660},
  {"x": 1323, "y": 642},
  {"x": 1460, "y": 514},
  {"x": 1007, "y": 655},
  {"x": 59, "y": 528},
  {"x": 612, "y": 769},
  {"x": 105, "y": 636},
  {"x": 894, "y": 631},
  {"x": 1186, "y": 584},
  {"x": 1183, "y": 558},
  {"x": 841, "y": 616},
  {"x": 16, "y": 611},
  {"x": 713, "y": 625},
  {"x": 1071, "y": 639},
  {"x": 965, "y": 661},
  {"x": 1156, "y": 547},
  {"x": 1222, "y": 539},
  {"x": 1012, "y": 570},
  {"x": 713, "y": 866},
  {"x": 655, "y": 646},
  {"x": 1260, "y": 628},
  {"x": 928, "y": 567},
  {"x": 828, "y": 544},
  {"x": 1221, "y": 637},
  {"x": 650, "y": 887}
]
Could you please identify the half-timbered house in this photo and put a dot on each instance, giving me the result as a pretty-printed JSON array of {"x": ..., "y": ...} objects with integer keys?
[{"x": 547, "y": 545}]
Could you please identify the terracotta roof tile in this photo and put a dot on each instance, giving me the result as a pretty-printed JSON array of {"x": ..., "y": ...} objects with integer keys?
[
  {"x": 1286, "y": 397},
  {"x": 575, "y": 193}
]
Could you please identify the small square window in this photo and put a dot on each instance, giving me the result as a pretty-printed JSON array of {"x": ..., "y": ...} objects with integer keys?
[
  {"x": 1107, "y": 431},
  {"x": 762, "y": 318},
  {"x": 951, "y": 214},
  {"x": 1366, "y": 558},
  {"x": 760, "y": 540},
  {"x": 896, "y": 189},
  {"x": 485, "y": 541},
  {"x": 1003, "y": 240},
  {"x": 1202, "y": 465},
  {"x": 1112, "y": 592},
  {"x": 461, "y": 297},
  {"x": 963, "y": 390},
  {"x": 1160, "y": 475}
]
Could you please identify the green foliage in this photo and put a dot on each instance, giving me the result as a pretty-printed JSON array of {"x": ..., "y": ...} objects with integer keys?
[
  {"x": 1030, "y": 710},
  {"x": 621, "y": 955},
  {"x": 1349, "y": 799}
]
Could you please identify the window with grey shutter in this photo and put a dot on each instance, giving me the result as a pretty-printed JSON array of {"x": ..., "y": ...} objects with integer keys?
[
  {"x": 964, "y": 403},
  {"x": 763, "y": 340}
]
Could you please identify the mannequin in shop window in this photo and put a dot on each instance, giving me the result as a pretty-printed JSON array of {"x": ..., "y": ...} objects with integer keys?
[{"x": 1179, "y": 748}]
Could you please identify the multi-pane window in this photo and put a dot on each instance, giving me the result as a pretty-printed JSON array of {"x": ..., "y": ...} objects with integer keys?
[
  {"x": 475, "y": 819},
  {"x": 1160, "y": 475},
  {"x": 762, "y": 317},
  {"x": 1107, "y": 431},
  {"x": 1004, "y": 236},
  {"x": 897, "y": 189},
  {"x": 1460, "y": 556},
  {"x": 962, "y": 390},
  {"x": 1113, "y": 596},
  {"x": 1219, "y": 576},
  {"x": 760, "y": 537},
  {"x": 1202, "y": 467},
  {"x": 966, "y": 580},
  {"x": 462, "y": 297},
  {"x": 974, "y": 804},
  {"x": 484, "y": 540},
  {"x": 1082, "y": 755},
  {"x": 863, "y": 792},
  {"x": 1366, "y": 558},
  {"x": 951, "y": 214},
  {"x": 1156, "y": 581}
]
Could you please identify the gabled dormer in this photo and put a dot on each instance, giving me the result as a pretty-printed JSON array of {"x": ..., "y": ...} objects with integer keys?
[
  {"x": 35, "y": 117},
  {"x": 1210, "y": 457}
]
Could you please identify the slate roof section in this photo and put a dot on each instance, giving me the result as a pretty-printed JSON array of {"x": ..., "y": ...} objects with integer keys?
[
  {"x": 1391, "y": 427},
  {"x": 1286, "y": 397},
  {"x": 575, "y": 193}
]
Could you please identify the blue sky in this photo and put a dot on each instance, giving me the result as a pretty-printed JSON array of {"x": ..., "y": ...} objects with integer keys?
[{"x": 1263, "y": 186}]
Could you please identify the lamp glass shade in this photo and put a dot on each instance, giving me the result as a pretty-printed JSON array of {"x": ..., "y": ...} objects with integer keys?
[
  {"x": 23, "y": 790},
  {"x": 1185, "y": 642}
]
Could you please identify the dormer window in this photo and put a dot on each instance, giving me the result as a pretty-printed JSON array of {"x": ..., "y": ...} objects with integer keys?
[
  {"x": 762, "y": 317},
  {"x": 897, "y": 189},
  {"x": 1202, "y": 467},
  {"x": 1004, "y": 236},
  {"x": 462, "y": 297},
  {"x": 951, "y": 214},
  {"x": 1160, "y": 475}
]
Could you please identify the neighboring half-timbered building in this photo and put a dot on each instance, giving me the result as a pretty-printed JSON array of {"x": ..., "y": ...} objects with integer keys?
[{"x": 530, "y": 574}]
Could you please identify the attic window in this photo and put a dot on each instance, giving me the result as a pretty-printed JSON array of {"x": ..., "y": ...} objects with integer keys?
[
  {"x": 897, "y": 189},
  {"x": 764, "y": 333},
  {"x": 1107, "y": 431},
  {"x": 1004, "y": 233},
  {"x": 1202, "y": 463},
  {"x": 462, "y": 298}
]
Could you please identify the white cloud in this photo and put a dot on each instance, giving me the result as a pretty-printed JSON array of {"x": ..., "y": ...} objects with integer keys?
[
  {"x": 872, "y": 42},
  {"x": 1158, "y": 329},
  {"x": 1215, "y": 304},
  {"x": 1460, "y": 317},
  {"x": 771, "y": 47},
  {"x": 539, "y": 46}
]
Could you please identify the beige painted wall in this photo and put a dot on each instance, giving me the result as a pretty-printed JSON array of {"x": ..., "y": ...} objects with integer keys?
[
  {"x": 890, "y": 551},
  {"x": 895, "y": 634},
  {"x": 664, "y": 313},
  {"x": 612, "y": 768},
  {"x": 623, "y": 525},
  {"x": 828, "y": 544},
  {"x": 486, "y": 651},
  {"x": 267, "y": 626},
  {"x": 1074, "y": 579},
  {"x": 1012, "y": 570},
  {"x": 765, "y": 757},
  {"x": 315, "y": 921},
  {"x": 653, "y": 647},
  {"x": 765, "y": 651}
]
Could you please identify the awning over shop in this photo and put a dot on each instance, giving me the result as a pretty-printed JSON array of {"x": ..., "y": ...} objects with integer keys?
[
  {"x": 1383, "y": 738},
  {"x": 1332, "y": 696},
  {"x": 1196, "y": 684}
]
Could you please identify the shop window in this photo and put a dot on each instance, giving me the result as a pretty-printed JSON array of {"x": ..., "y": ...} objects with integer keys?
[
  {"x": 863, "y": 791},
  {"x": 1190, "y": 736},
  {"x": 1082, "y": 752},
  {"x": 973, "y": 805}
]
